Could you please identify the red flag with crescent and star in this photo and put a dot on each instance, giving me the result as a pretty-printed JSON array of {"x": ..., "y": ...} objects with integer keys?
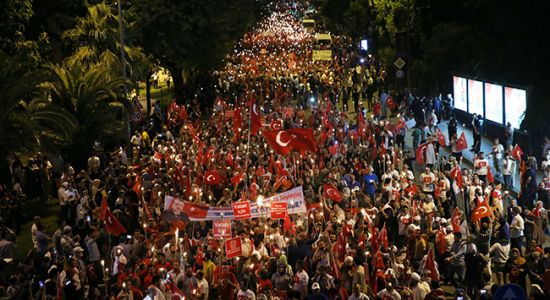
[
  {"x": 481, "y": 211},
  {"x": 112, "y": 225},
  {"x": 284, "y": 141},
  {"x": 330, "y": 191},
  {"x": 455, "y": 220},
  {"x": 212, "y": 177},
  {"x": 461, "y": 143}
]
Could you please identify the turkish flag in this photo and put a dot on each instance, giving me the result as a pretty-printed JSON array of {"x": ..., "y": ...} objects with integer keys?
[
  {"x": 517, "y": 153},
  {"x": 255, "y": 120},
  {"x": 455, "y": 220},
  {"x": 441, "y": 137},
  {"x": 461, "y": 143},
  {"x": 330, "y": 191},
  {"x": 284, "y": 141},
  {"x": 112, "y": 225},
  {"x": 421, "y": 153},
  {"x": 237, "y": 120},
  {"x": 276, "y": 124},
  {"x": 235, "y": 180},
  {"x": 103, "y": 209},
  {"x": 212, "y": 177},
  {"x": 384, "y": 237},
  {"x": 340, "y": 247},
  {"x": 481, "y": 211},
  {"x": 195, "y": 211},
  {"x": 490, "y": 177},
  {"x": 429, "y": 264},
  {"x": 456, "y": 175}
]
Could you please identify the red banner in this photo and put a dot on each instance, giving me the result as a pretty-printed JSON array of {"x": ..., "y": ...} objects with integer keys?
[
  {"x": 278, "y": 209},
  {"x": 233, "y": 248},
  {"x": 222, "y": 229},
  {"x": 241, "y": 210}
]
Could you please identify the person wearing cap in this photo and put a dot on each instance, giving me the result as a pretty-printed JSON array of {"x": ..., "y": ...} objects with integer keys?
[
  {"x": 78, "y": 253},
  {"x": 324, "y": 280},
  {"x": 419, "y": 287},
  {"x": 317, "y": 294}
]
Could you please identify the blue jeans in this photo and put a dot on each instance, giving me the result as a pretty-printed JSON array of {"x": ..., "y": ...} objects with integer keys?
[{"x": 508, "y": 181}]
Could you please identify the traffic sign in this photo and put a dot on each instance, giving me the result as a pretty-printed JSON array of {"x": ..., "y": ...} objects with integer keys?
[
  {"x": 510, "y": 292},
  {"x": 399, "y": 63},
  {"x": 137, "y": 116}
]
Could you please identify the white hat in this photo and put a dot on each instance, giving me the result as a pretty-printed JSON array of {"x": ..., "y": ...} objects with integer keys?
[
  {"x": 78, "y": 249},
  {"x": 443, "y": 220},
  {"x": 415, "y": 276},
  {"x": 449, "y": 228},
  {"x": 315, "y": 286},
  {"x": 348, "y": 259}
]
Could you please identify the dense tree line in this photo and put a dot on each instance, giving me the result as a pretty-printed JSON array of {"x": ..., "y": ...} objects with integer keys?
[{"x": 61, "y": 84}]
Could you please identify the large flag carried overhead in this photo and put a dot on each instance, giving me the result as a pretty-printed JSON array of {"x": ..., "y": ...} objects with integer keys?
[{"x": 284, "y": 141}]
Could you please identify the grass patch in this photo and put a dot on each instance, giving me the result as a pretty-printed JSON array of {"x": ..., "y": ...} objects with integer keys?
[{"x": 47, "y": 211}]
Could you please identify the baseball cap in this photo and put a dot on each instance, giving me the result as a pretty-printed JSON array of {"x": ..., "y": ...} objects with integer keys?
[{"x": 315, "y": 286}]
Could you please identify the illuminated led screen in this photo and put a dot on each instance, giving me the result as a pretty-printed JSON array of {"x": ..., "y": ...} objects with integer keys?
[
  {"x": 459, "y": 93},
  {"x": 475, "y": 97},
  {"x": 516, "y": 103},
  {"x": 493, "y": 103}
]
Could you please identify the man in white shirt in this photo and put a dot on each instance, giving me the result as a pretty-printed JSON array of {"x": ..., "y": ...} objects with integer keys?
[
  {"x": 301, "y": 280},
  {"x": 428, "y": 181},
  {"x": 202, "y": 289},
  {"x": 481, "y": 166},
  {"x": 508, "y": 168},
  {"x": 516, "y": 229},
  {"x": 419, "y": 287},
  {"x": 357, "y": 294},
  {"x": 498, "y": 150}
]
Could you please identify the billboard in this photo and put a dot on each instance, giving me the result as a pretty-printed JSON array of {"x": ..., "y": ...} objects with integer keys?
[
  {"x": 494, "y": 106},
  {"x": 516, "y": 103},
  {"x": 475, "y": 97},
  {"x": 459, "y": 93}
]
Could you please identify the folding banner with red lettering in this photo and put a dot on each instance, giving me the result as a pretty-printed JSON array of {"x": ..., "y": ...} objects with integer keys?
[
  {"x": 233, "y": 248},
  {"x": 294, "y": 198},
  {"x": 221, "y": 229}
]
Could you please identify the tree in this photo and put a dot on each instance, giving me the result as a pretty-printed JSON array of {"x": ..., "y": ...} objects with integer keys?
[
  {"x": 26, "y": 123},
  {"x": 93, "y": 98},
  {"x": 193, "y": 36}
]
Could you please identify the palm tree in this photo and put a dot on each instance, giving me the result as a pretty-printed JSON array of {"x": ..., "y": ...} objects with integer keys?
[
  {"x": 92, "y": 97},
  {"x": 26, "y": 123},
  {"x": 96, "y": 36}
]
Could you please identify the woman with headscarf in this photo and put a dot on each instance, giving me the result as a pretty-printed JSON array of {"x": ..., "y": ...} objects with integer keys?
[
  {"x": 515, "y": 267},
  {"x": 538, "y": 219}
]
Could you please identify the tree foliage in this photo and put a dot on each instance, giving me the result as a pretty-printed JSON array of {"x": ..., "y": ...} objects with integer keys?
[{"x": 193, "y": 35}]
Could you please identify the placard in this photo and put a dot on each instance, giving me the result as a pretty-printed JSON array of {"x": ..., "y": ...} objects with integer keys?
[
  {"x": 241, "y": 210},
  {"x": 322, "y": 55},
  {"x": 222, "y": 229},
  {"x": 233, "y": 248},
  {"x": 278, "y": 209}
]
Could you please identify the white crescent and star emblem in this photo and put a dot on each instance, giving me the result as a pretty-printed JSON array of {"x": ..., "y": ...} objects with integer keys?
[
  {"x": 331, "y": 192},
  {"x": 482, "y": 210},
  {"x": 254, "y": 109},
  {"x": 280, "y": 142},
  {"x": 210, "y": 178}
]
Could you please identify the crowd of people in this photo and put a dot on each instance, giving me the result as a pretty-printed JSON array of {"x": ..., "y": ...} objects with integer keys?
[{"x": 382, "y": 220}]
